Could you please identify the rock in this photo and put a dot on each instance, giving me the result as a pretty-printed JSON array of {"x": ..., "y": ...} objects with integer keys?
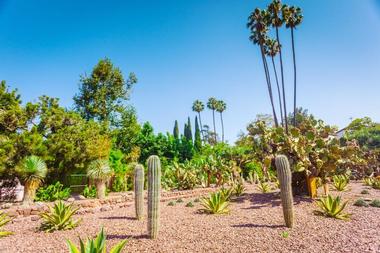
[
  {"x": 70, "y": 199},
  {"x": 6, "y": 206},
  {"x": 81, "y": 197},
  {"x": 105, "y": 208},
  {"x": 34, "y": 218}
]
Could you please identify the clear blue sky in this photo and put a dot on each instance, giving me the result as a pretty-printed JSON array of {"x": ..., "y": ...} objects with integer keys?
[{"x": 186, "y": 50}]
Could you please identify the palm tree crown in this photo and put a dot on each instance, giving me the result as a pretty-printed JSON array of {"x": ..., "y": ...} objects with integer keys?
[
  {"x": 212, "y": 103},
  {"x": 274, "y": 9},
  {"x": 292, "y": 16},
  {"x": 99, "y": 170},
  {"x": 198, "y": 106},
  {"x": 221, "y": 106},
  {"x": 272, "y": 48},
  {"x": 33, "y": 168}
]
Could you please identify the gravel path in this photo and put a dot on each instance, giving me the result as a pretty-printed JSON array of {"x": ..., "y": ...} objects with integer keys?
[{"x": 255, "y": 224}]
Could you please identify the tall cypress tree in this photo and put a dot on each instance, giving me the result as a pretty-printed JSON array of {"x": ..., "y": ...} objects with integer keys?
[
  {"x": 197, "y": 138},
  {"x": 189, "y": 131},
  {"x": 176, "y": 130}
]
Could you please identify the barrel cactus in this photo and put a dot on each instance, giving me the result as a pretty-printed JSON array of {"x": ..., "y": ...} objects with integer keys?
[
  {"x": 154, "y": 185},
  {"x": 285, "y": 177},
  {"x": 139, "y": 191}
]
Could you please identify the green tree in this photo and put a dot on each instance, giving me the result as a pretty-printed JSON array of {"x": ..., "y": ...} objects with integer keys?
[
  {"x": 221, "y": 107},
  {"x": 176, "y": 130},
  {"x": 197, "y": 137},
  {"x": 189, "y": 132},
  {"x": 212, "y": 103},
  {"x": 198, "y": 107},
  {"x": 101, "y": 95}
]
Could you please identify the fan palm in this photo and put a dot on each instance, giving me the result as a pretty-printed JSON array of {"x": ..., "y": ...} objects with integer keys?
[
  {"x": 257, "y": 23},
  {"x": 198, "y": 107},
  {"x": 293, "y": 17},
  {"x": 100, "y": 171},
  {"x": 212, "y": 104},
  {"x": 33, "y": 171},
  {"x": 272, "y": 48},
  {"x": 276, "y": 21},
  {"x": 221, "y": 107}
]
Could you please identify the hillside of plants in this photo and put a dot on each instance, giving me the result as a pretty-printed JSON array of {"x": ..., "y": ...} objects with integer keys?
[{"x": 288, "y": 169}]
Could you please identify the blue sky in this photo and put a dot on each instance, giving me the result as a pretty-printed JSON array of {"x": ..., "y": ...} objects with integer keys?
[{"x": 186, "y": 50}]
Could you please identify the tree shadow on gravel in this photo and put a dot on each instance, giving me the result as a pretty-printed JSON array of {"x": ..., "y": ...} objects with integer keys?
[
  {"x": 118, "y": 218},
  {"x": 273, "y": 199},
  {"x": 250, "y": 225},
  {"x": 122, "y": 237}
]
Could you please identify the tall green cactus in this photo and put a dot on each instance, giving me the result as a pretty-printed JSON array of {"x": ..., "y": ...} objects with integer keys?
[
  {"x": 285, "y": 177},
  {"x": 139, "y": 191},
  {"x": 154, "y": 185}
]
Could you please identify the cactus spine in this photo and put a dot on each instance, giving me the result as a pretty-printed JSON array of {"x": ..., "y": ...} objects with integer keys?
[
  {"x": 154, "y": 185},
  {"x": 139, "y": 191},
  {"x": 285, "y": 178}
]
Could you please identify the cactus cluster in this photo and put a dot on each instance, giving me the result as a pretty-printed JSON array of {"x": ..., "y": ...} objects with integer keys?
[
  {"x": 154, "y": 185},
  {"x": 285, "y": 177},
  {"x": 139, "y": 191}
]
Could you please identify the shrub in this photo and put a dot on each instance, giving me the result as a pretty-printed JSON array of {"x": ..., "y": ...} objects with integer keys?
[
  {"x": 100, "y": 171},
  {"x": 375, "y": 203},
  {"x": 53, "y": 192},
  {"x": 4, "y": 219},
  {"x": 239, "y": 189},
  {"x": 190, "y": 204},
  {"x": 364, "y": 192},
  {"x": 264, "y": 187},
  {"x": 376, "y": 184},
  {"x": 179, "y": 200},
  {"x": 332, "y": 207},
  {"x": 340, "y": 182},
  {"x": 89, "y": 192},
  {"x": 95, "y": 246},
  {"x": 285, "y": 234},
  {"x": 59, "y": 217},
  {"x": 226, "y": 193},
  {"x": 361, "y": 202},
  {"x": 368, "y": 181},
  {"x": 215, "y": 204},
  {"x": 171, "y": 203}
]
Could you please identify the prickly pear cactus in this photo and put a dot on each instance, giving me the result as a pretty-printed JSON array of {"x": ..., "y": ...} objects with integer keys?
[
  {"x": 285, "y": 177},
  {"x": 139, "y": 191},
  {"x": 154, "y": 187}
]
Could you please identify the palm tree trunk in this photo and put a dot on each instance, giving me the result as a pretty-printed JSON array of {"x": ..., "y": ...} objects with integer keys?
[
  {"x": 269, "y": 85},
  {"x": 213, "y": 121},
  {"x": 295, "y": 79},
  {"x": 221, "y": 120},
  {"x": 100, "y": 189},
  {"x": 282, "y": 82},
  {"x": 279, "y": 92},
  {"x": 29, "y": 193},
  {"x": 200, "y": 122}
]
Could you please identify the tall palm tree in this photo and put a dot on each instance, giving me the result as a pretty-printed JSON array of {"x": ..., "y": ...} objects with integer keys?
[
  {"x": 32, "y": 170},
  {"x": 99, "y": 171},
  {"x": 272, "y": 48},
  {"x": 221, "y": 107},
  {"x": 198, "y": 107},
  {"x": 257, "y": 23},
  {"x": 276, "y": 21},
  {"x": 212, "y": 103},
  {"x": 293, "y": 17}
]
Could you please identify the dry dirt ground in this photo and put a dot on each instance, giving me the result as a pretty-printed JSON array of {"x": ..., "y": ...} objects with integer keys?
[{"x": 255, "y": 224}]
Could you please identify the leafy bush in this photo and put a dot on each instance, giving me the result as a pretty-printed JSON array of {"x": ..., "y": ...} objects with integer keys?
[
  {"x": 179, "y": 200},
  {"x": 59, "y": 217},
  {"x": 171, "y": 203},
  {"x": 95, "y": 246},
  {"x": 340, "y": 182},
  {"x": 239, "y": 189},
  {"x": 215, "y": 204},
  {"x": 119, "y": 184},
  {"x": 89, "y": 192},
  {"x": 264, "y": 187},
  {"x": 190, "y": 204},
  {"x": 375, "y": 203},
  {"x": 53, "y": 192},
  {"x": 361, "y": 202},
  {"x": 332, "y": 207},
  {"x": 4, "y": 219}
]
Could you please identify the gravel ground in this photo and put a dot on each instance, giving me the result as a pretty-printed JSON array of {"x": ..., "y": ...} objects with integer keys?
[{"x": 255, "y": 224}]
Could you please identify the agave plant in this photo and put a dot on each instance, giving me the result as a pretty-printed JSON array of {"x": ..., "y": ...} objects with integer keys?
[
  {"x": 100, "y": 171},
  {"x": 332, "y": 207},
  {"x": 33, "y": 171},
  {"x": 4, "y": 219},
  {"x": 239, "y": 189},
  {"x": 376, "y": 184},
  {"x": 97, "y": 245},
  {"x": 215, "y": 204},
  {"x": 226, "y": 193},
  {"x": 340, "y": 182},
  {"x": 264, "y": 187},
  {"x": 59, "y": 217},
  {"x": 368, "y": 181}
]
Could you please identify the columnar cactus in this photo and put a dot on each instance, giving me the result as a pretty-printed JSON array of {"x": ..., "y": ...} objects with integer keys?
[
  {"x": 285, "y": 177},
  {"x": 154, "y": 187},
  {"x": 139, "y": 191}
]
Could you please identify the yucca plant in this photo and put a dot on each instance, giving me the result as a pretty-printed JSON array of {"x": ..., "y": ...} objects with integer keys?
[
  {"x": 239, "y": 189},
  {"x": 4, "y": 219},
  {"x": 97, "y": 245},
  {"x": 215, "y": 204},
  {"x": 59, "y": 217},
  {"x": 332, "y": 207},
  {"x": 100, "y": 171},
  {"x": 226, "y": 193},
  {"x": 376, "y": 184},
  {"x": 264, "y": 187},
  {"x": 368, "y": 181},
  {"x": 32, "y": 170},
  {"x": 340, "y": 182}
]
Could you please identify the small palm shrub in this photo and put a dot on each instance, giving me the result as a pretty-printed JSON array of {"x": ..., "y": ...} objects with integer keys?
[
  {"x": 332, "y": 207},
  {"x": 340, "y": 182},
  {"x": 59, "y": 217},
  {"x": 53, "y": 192},
  {"x": 33, "y": 171},
  {"x": 100, "y": 171},
  {"x": 4, "y": 219},
  {"x": 239, "y": 189},
  {"x": 89, "y": 192},
  {"x": 190, "y": 204},
  {"x": 226, "y": 193},
  {"x": 264, "y": 187},
  {"x": 97, "y": 245},
  {"x": 360, "y": 202},
  {"x": 215, "y": 204},
  {"x": 375, "y": 203}
]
